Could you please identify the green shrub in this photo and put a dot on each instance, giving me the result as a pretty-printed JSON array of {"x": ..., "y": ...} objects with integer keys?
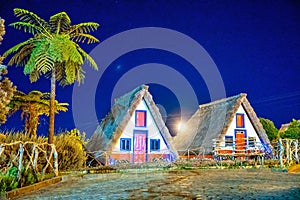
[
  {"x": 70, "y": 149},
  {"x": 28, "y": 177},
  {"x": 9, "y": 181}
]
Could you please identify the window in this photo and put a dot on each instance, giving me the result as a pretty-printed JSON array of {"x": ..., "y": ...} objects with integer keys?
[
  {"x": 251, "y": 141},
  {"x": 240, "y": 120},
  {"x": 228, "y": 141},
  {"x": 140, "y": 118},
  {"x": 154, "y": 144},
  {"x": 125, "y": 144}
]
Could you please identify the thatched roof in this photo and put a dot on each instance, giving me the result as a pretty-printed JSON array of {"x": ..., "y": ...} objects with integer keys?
[
  {"x": 111, "y": 127},
  {"x": 211, "y": 122},
  {"x": 284, "y": 127}
]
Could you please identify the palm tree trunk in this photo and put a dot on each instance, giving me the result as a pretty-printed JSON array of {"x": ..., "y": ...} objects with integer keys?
[{"x": 52, "y": 107}]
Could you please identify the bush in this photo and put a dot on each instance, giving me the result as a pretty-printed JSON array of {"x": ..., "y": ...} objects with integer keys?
[
  {"x": 293, "y": 131},
  {"x": 9, "y": 181},
  {"x": 69, "y": 146},
  {"x": 70, "y": 149}
]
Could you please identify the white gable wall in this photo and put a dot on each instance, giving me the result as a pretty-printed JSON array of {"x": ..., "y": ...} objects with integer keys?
[
  {"x": 151, "y": 128},
  {"x": 250, "y": 131}
]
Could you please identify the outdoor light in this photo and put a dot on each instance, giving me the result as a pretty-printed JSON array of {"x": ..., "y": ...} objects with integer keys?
[{"x": 180, "y": 126}]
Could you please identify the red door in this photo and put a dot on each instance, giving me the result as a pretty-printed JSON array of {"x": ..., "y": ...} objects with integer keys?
[
  {"x": 140, "y": 147},
  {"x": 240, "y": 141}
]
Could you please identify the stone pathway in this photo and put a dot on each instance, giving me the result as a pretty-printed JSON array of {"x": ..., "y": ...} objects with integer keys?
[{"x": 188, "y": 184}]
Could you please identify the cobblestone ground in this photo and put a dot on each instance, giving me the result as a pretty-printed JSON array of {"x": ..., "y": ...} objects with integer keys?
[{"x": 188, "y": 184}]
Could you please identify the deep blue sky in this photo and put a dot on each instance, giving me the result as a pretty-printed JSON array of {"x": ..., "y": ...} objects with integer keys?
[{"x": 254, "y": 44}]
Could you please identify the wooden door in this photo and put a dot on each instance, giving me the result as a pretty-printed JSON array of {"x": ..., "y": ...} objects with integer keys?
[
  {"x": 240, "y": 141},
  {"x": 140, "y": 147}
]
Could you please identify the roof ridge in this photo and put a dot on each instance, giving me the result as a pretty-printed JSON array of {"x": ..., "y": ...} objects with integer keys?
[
  {"x": 133, "y": 91},
  {"x": 222, "y": 100}
]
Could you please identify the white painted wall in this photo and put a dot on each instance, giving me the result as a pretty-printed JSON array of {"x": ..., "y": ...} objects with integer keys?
[
  {"x": 153, "y": 132},
  {"x": 248, "y": 127}
]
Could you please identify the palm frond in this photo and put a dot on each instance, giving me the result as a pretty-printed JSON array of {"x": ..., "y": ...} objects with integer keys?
[
  {"x": 19, "y": 93},
  {"x": 18, "y": 46},
  {"x": 44, "y": 62},
  {"x": 87, "y": 57},
  {"x": 40, "y": 59},
  {"x": 30, "y": 17},
  {"x": 60, "y": 23},
  {"x": 61, "y": 106},
  {"x": 85, "y": 27},
  {"x": 22, "y": 56},
  {"x": 70, "y": 72},
  {"x": 34, "y": 75},
  {"x": 27, "y": 27},
  {"x": 81, "y": 37}
]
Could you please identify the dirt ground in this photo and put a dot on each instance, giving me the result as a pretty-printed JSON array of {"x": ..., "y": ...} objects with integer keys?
[{"x": 183, "y": 184}]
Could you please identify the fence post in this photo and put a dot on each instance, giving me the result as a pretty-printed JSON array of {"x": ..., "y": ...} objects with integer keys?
[
  {"x": 36, "y": 153},
  {"x": 1, "y": 149},
  {"x": 287, "y": 151},
  {"x": 55, "y": 158},
  {"x": 21, "y": 150},
  {"x": 280, "y": 152},
  {"x": 296, "y": 151}
]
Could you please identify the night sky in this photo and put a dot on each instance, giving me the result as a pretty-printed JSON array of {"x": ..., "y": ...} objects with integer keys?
[{"x": 254, "y": 44}]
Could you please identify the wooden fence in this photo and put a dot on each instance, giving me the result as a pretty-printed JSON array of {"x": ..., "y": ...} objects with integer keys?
[
  {"x": 25, "y": 155},
  {"x": 286, "y": 151}
]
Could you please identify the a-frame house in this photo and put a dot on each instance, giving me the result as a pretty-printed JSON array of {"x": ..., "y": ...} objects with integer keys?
[
  {"x": 224, "y": 127},
  {"x": 133, "y": 131}
]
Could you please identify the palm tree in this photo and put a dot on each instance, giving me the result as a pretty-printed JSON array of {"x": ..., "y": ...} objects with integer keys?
[
  {"x": 33, "y": 105},
  {"x": 52, "y": 51}
]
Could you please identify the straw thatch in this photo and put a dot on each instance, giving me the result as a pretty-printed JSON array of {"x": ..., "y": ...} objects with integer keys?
[
  {"x": 211, "y": 122},
  {"x": 284, "y": 127},
  {"x": 112, "y": 126}
]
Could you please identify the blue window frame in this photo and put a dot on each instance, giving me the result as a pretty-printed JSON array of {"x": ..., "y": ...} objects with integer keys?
[
  {"x": 154, "y": 144},
  {"x": 240, "y": 120},
  {"x": 125, "y": 144},
  {"x": 228, "y": 141},
  {"x": 252, "y": 141},
  {"x": 140, "y": 118}
]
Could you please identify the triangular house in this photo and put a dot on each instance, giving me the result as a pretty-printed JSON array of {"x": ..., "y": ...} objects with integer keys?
[
  {"x": 229, "y": 125},
  {"x": 133, "y": 131}
]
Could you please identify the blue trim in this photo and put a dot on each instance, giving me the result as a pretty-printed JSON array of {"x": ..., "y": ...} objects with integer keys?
[
  {"x": 231, "y": 137},
  {"x": 236, "y": 120},
  {"x": 145, "y": 122},
  {"x": 121, "y": 142},
  {"x": 253, "y": 142},
  {"x": 152, "y": 142},
  {"x": 140, "y": 132}
]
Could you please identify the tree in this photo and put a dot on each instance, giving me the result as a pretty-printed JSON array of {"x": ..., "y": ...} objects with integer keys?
[
  {"x": 34, "y": 104},
  {"x": 2, "y": 29},
  {"x": 271, "y": 130},
  {"x": 52, "y": 51},
  {"x": 6, "y": 86},
  {"x": 293, "y": 131},
  {"x": 6, "y": 93}
]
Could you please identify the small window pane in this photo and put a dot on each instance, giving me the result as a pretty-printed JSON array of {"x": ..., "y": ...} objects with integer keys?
[
  {"x": 154, "y": 144},
  {"x": 125, "y": 144},
  {"x": 140, "y": 118},
  {"x": 252, "y": 141},
  {"x": 228, "y": 141},
  {"x": 240, "y": 121}
]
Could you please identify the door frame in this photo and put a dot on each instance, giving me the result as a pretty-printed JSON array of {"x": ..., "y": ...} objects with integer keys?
[{"x": 133, "y": 139}]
